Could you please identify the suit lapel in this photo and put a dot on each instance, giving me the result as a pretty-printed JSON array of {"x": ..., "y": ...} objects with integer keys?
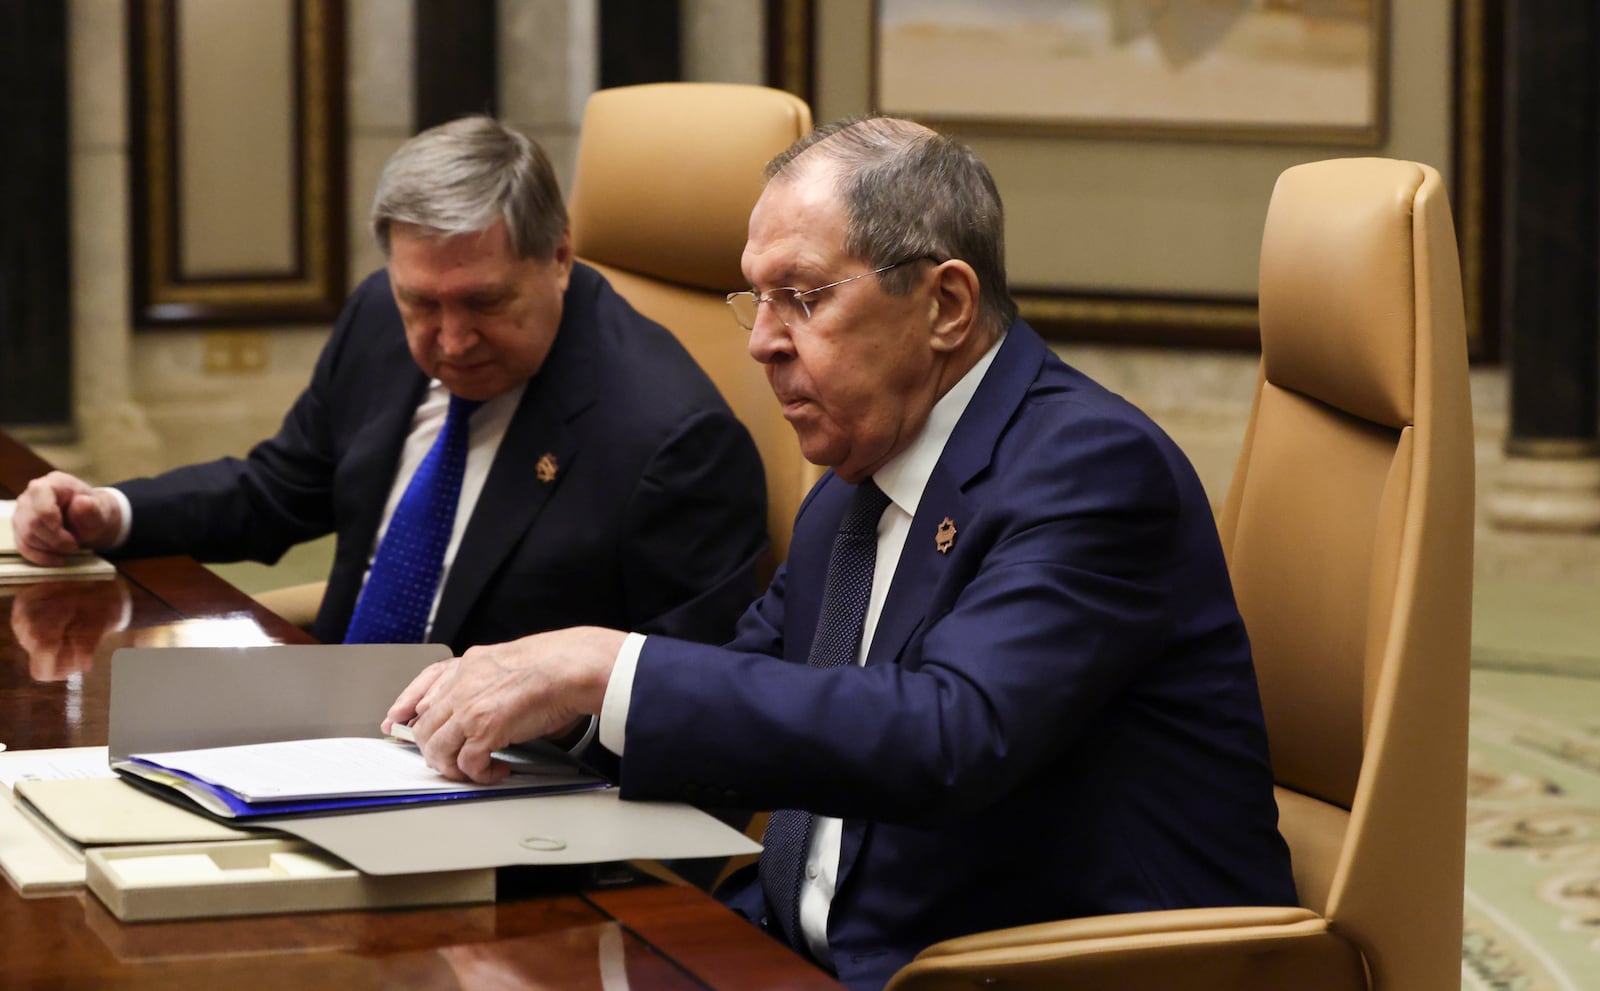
[
  {"x": 369, "y": 467},
  {"x": 807, "y": 566},
  {"x": 966, "y": 454},
  {"x": 513, "y": 495},
  {"x": 375, "y": 449},
  {"x": 511, "y": 499},
  {"x": 921, "y": 567}
]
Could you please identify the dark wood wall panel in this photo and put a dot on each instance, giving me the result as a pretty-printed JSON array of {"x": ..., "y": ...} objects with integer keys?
[
  {"x": 1552, "y": 208},
  {"x": 639, "y": 42},
  {"x": 35, "y": 313},
  {"x": 457, "y": 60}
]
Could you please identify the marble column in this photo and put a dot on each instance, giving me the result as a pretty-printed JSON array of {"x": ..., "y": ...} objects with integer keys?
[{"x": 1551, "y": 296}]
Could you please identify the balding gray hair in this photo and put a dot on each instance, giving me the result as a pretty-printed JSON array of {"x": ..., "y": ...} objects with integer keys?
[
  {"x": 461, "y": 177},
  {"x": 911, "y": 192}
]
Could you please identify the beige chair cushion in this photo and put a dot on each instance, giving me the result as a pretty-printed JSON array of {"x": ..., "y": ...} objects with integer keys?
[
  {"x": 1302, "y": 564},
  {"x": 1338, "y": 299},
  {"x": 668, "y": 173},
  {"x": 667, "y": 176}
]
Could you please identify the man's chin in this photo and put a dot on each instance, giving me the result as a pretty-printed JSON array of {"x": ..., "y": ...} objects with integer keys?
[
  {"x": 820, "y": 451},
  {"x": 475, "y": 387}
]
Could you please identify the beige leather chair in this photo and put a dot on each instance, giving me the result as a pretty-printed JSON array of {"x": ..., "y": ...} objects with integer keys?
[
  {"x": 667, "y": 175},
  {"x": 296, "y": 603},
  {"x": 1349, "y": 536}
]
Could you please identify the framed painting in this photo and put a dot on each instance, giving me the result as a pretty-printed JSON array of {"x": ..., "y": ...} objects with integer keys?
[
  {"x": 1305, "y": 71},
  {"x": 237, "y": 124},
  {"x": 1146, "y": 228}
]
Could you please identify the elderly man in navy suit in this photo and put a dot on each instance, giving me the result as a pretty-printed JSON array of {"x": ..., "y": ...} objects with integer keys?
[
  {"x": 586, "y": 470},
  {"x": 1001, "y": 678}
]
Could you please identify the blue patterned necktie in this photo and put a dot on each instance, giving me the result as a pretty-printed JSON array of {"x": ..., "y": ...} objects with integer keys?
[
  {"x": 836, "y": 643},
  {"x": 398, "y": 596}
]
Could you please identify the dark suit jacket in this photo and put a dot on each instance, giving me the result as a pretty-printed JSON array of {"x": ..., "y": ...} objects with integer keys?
[
  {"x": 1057, "y": 718},
  {"x": 654, "y": 521}
]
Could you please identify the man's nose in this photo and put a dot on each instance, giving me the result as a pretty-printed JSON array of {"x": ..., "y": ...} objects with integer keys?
[
  {"x": 769, "y": 338},
  {"x": 456, "y": 334}
]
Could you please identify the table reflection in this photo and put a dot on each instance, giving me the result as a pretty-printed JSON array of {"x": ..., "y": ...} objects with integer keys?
[
  {"x": 583, "y": 958},
  {"x": 59, "y": 625}
]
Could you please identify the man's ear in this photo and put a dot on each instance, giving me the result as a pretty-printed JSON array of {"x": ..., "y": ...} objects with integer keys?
[
  {"x": 562, "y": 258},
  {"x": 954, "y": 304}
]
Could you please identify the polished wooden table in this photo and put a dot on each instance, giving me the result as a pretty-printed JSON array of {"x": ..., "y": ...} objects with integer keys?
[{"x": 605, "y": 927}]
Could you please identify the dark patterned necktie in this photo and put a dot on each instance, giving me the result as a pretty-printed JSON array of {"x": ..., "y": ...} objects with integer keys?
[
  {"x": 398, "y": 596},
  {"x": 836, "y": 643}
]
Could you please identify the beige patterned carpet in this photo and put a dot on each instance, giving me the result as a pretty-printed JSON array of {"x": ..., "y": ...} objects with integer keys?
[{"x": 1533, "y": 808}]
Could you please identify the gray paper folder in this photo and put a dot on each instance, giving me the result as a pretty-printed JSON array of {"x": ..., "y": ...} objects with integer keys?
[{"x": 180, "y": 698}]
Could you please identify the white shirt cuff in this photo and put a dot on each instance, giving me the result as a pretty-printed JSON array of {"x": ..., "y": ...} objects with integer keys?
[
  {"x": 127, "y": 516},
  {"x": 619, "y": 695},
  {"x": 589, "y": 732}
]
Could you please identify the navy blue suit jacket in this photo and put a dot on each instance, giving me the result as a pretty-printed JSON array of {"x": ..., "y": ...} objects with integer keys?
[
  {"x": 654, "y": 522},
  {"x": 1057, "y": 718}
]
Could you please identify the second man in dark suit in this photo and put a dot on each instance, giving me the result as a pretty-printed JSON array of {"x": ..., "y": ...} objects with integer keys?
[{"x": 604, "y": 481}]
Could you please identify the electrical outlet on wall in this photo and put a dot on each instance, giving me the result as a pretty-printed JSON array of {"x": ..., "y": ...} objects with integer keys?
[{"x": 232, "y": 351}]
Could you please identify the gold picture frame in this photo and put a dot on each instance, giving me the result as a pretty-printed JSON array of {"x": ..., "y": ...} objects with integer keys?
[
  {"x": 301, "y": 278},
  {"x": 1249, "y": 70},
  {"x": 1456, "y": 103}
]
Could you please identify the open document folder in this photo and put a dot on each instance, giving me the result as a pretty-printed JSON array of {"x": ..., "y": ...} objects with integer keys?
[
  {"x": 166, "y": 699},
  {"x": 291, "y": 777},
  {"x": 245, "y": 733}
]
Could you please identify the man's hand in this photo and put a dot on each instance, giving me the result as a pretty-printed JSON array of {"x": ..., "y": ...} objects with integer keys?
[
  {"x": 464, "y": 709},
  {"x": 58, "y": 514}
]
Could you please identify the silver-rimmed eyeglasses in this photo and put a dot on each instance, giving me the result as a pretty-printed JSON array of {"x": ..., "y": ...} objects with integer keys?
[{"x": 788, "y": 303}]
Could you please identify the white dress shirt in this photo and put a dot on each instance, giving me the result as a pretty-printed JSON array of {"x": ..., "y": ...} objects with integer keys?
[
  {"x": 486, "y": 431},
  {"x": 903, "y": 479}
]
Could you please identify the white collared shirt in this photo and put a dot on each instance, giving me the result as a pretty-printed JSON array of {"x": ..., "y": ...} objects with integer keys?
[{"x": 903, "y": 479}]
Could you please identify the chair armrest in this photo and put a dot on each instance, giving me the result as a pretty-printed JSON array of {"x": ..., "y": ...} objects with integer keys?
[
  {"x": 297, "y": 603},
  {"x": 1223, "y": 949}
]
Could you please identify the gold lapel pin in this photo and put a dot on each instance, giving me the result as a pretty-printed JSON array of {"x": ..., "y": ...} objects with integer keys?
[
  {"x": 946, "y": 537},
  {"x": 546, "y": 468}
]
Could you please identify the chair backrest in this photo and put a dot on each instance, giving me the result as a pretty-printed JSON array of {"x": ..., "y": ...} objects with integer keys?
[
  {"x": 1349, "y": 529},
  {"x": 666, "y": 178}
]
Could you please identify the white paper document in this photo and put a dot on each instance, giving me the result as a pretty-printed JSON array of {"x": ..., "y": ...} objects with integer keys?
[
  {"x": 54, "y": 765},
  {"x": 326, "y": 768},
  {"x": 14, "y": 569}
]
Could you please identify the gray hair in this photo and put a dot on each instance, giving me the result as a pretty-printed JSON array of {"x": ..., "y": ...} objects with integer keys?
[
  {"x": 911, "y": 192},
  {"x": 460, "y": 177}
]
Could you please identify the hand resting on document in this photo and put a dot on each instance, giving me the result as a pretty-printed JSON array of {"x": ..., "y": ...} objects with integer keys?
[
  {"x": 59, "y": 514},
  {"x": 464, "y": 709}
]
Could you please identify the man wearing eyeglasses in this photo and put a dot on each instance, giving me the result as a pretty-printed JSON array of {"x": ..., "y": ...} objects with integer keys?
[{"x": 1001, "y": 678}]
